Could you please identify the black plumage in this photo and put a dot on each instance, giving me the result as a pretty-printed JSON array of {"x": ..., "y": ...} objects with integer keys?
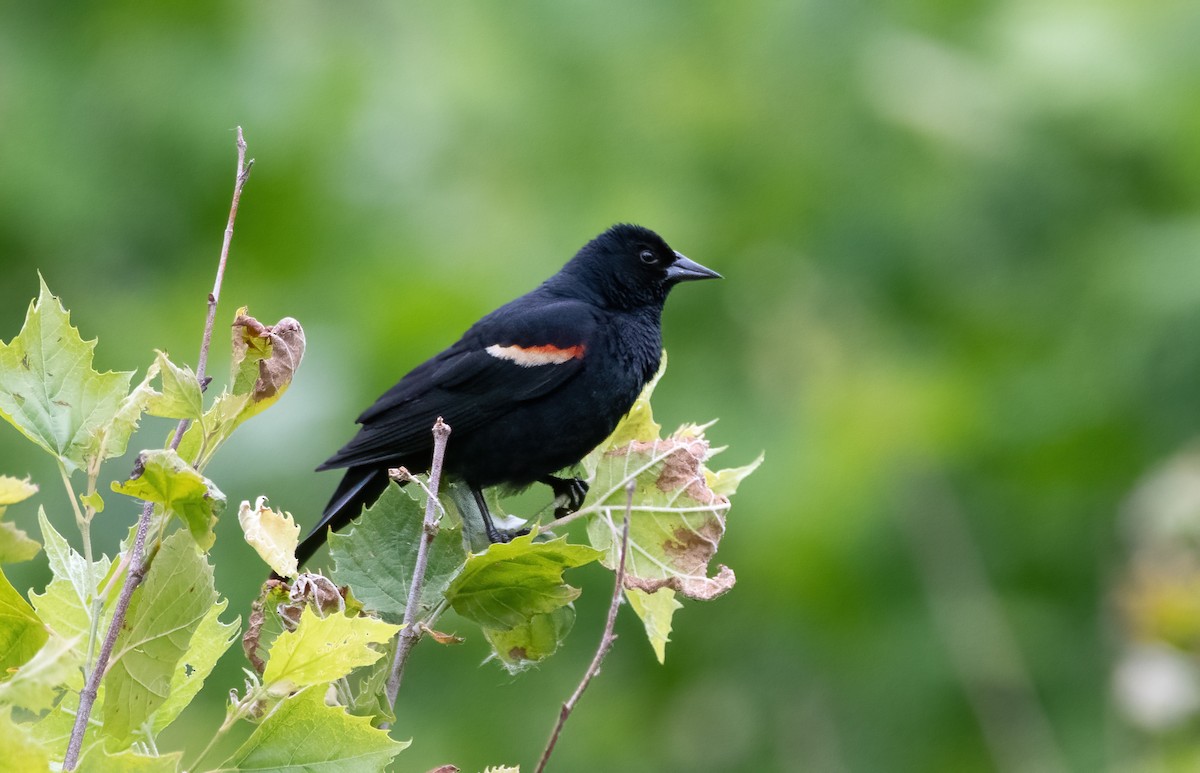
[{"x": 529, "y": 389}]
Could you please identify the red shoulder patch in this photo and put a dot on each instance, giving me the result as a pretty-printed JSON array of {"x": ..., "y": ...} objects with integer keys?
[{"x": 532, "y": 356}]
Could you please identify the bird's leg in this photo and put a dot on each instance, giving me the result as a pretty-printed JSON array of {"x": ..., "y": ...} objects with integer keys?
[
  {"x": 493, "y": 534},
  {"x": 572, "y": 490}
]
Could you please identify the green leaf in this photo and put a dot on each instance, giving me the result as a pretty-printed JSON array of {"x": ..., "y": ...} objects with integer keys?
[
  {"x": 48, "y": 390},
  {"x": 22, "y": 752},
  {"x": 165, "y": 612},
  {"x": 377, "y": 556},
  {"x": 273, "y": 535},
  {"x": 36, "y": 685},
  {"x": 97, "y": 760},
  {"x": 162, "y": 477},
  {"x": 656, "y": 610},
  {"x": 66, "y": 604},
  {"x": 210, "y": 641},
  {"x": 21, "y": 632},
  {"x": 112, "y": 438},
  {"x": 529, "y": 644},
  {"x": 181, "y": 397},
  {"x": 303, "y": 734},
  {"x": 507, "y": 585},
  {"x": 323, "y": 649},
  {"x": 53, "y": 731}
]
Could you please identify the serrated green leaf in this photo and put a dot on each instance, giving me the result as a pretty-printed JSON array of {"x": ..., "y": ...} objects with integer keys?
[
  {"x": 164, "y": 614},
  {"x": 510, "y": 583},
  {"x": 22, "y": 752},
  {"x": 48, "y": 389},
  {"x": 656, "y": 610},
  {"x": 66, "y": 604},
  {"x": 36, "y": 684},
  {"x": 112, "y": 437},
  {"x": 98, "y": 760},
  {"x": 377, "y": 556},
  {"x": 322, "y": 649},
  {"x": 21, "y": 632},
  {"x": 204, "y": 437},
  {"x": 531, "y": 643},
  {"x": 162, "y": 477},
  {"x": 273, "y": 535},
  {"x": 725, "y": 482},
  {"x": 210, "y": 641},
  {"x": 303, "y": 734},
  {"x": 181, "y": 397}
]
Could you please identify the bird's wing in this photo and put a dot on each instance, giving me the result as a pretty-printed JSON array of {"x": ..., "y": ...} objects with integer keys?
[{"x": 520, "y": 352}]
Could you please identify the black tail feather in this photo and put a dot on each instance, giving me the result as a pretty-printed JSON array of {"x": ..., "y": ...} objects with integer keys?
[{"x": 360, "y": 487}]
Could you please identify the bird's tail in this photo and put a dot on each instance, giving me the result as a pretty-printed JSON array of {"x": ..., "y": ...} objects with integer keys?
[{"x": 360, "y": 487}]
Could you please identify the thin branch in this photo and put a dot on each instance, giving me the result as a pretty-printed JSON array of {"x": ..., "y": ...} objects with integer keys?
[
  {"x": 411, "y": 632},
  {"x": 137, "y": 562},
  {"x": 606, "y": 641}
]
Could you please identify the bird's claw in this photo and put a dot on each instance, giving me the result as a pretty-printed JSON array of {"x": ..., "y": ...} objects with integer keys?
[{"x": 571, "y": 491}]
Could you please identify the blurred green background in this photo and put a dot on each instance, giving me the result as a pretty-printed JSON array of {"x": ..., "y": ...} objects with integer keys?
[{"x": 961, "y": 315}]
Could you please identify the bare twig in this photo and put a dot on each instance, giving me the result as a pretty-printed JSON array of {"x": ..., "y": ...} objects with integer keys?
[
  {"x": 137, "y": 562},
  {"x": 411, "y": 632},
  {"x": 606, "y": 641}
]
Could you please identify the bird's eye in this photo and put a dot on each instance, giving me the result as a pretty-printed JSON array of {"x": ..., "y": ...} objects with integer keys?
[{"x": 648, "y": 257}]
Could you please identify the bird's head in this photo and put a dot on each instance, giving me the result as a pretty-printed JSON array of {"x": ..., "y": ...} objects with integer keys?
[{"x": 629, "y": 266}]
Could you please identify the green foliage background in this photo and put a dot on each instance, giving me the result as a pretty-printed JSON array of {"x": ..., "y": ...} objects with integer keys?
[{"x": 961, "y": 246}]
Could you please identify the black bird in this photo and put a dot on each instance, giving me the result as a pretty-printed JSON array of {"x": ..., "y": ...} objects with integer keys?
[{"x": 529, "y": 389}]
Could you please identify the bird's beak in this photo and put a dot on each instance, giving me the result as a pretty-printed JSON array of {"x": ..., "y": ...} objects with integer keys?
[{"x": 685, "y": 269}]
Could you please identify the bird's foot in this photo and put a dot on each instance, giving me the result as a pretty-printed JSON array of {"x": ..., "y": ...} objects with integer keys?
[{"x": 571, "y": 491}]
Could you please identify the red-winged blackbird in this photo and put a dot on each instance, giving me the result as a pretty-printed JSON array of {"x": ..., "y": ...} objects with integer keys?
[{"x": 531, "y": 388}]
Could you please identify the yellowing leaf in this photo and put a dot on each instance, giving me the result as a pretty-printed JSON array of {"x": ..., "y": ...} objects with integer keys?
[
  {"x": 323, "y": 649},
  {"x": 656, "y": 610},
  {"x": 265, "y": 358},
  {"x": 13, "y": 490},
  {"x": 677, "y": 518},
  {"x": 15, "y": 545},
  {"x": 274, "y": 535},
  {"x": 162, "y": 477}
]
